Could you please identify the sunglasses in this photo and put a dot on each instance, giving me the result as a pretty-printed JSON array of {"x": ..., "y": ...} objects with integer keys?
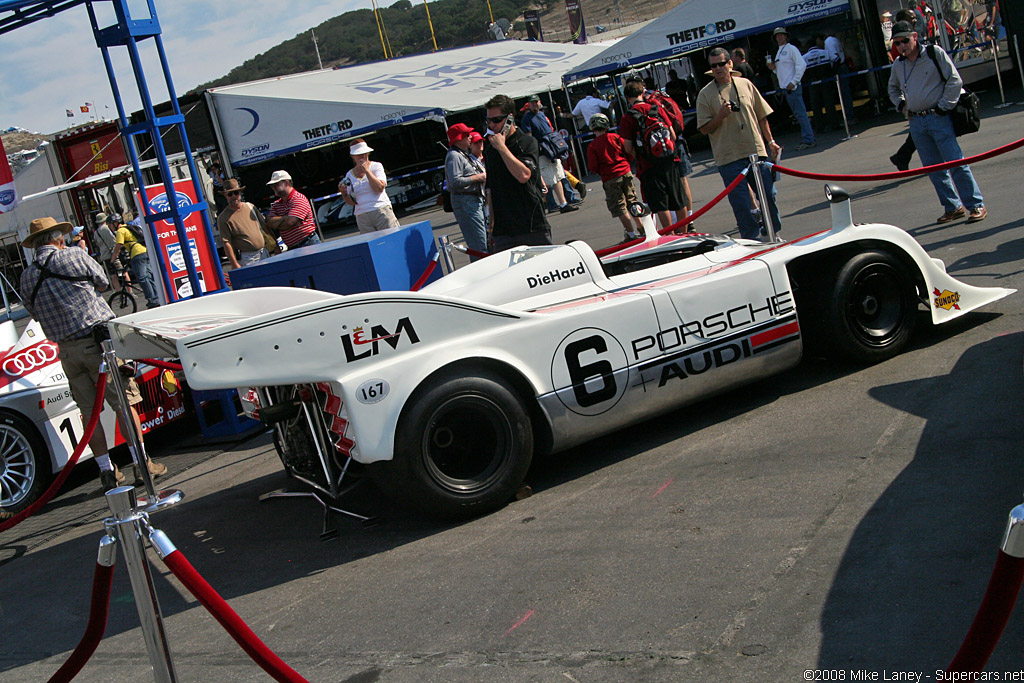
[
  {"x": 496, "y": 119},
  {"x": 232, "y": 193},
  {"x": 715, "y": 65},
  {"x": 901, "y": 41}
]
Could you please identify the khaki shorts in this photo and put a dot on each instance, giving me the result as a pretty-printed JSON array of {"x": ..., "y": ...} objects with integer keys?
[
  {"x": 618, "y": 193},
  {"x": 551, "y": 171},
  {"x": 81, "y": 360}
]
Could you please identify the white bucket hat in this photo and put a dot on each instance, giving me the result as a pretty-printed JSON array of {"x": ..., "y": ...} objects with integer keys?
[
  {"x": 278, "y": 176},
  {"x": 360, "y": 148}
]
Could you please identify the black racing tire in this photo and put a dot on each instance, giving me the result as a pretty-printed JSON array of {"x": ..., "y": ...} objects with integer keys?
[
  {"x": 871, "y": 308},
  {"x": 122, "y": 302},
  {"x": 25, "y": 470},
  {"x": 462, "y": 447}
]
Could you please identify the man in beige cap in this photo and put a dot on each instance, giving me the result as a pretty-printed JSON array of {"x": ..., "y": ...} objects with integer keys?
[
  {"x": 60, "y": 290},
  {"x": 241, "y": 227}
]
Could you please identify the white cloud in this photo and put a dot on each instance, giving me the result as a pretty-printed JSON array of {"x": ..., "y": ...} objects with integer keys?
[{"x": 54, "y": 64}]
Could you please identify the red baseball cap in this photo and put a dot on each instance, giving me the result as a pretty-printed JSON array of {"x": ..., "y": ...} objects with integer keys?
[
  {"x": 475, "y": 137},
  {"x": 458, "y": 132}
]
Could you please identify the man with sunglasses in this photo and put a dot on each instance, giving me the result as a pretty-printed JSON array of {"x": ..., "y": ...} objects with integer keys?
[
  {"x": 925, "y": 87},
  {"x": 515, "y": 194},
  {"x": 241, "y": 228},
  {"x": 734, "y": 115}
]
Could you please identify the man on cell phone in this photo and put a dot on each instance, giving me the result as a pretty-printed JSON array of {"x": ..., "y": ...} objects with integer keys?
[{"x": 515, "y": 194}]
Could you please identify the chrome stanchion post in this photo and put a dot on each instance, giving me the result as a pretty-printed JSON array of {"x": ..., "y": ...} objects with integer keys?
[
  {"x": 446, "y": 253},
  {"x": 999, "y": 76},
  {"x": 1013, "y": 538},
  {"x": 762, "y": 196},
  {"x": 1020, "y": 65},
  {"x": 842, "y": 110},
  {"x": 125, "y": 522},
  {"x": 153, "y": 500}
]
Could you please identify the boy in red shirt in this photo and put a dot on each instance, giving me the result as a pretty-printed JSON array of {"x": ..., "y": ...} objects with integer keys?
[{"x": 606, "y": 156}]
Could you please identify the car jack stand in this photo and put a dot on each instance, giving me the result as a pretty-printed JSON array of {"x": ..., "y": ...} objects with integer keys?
[{"x": 329, "y": 532}]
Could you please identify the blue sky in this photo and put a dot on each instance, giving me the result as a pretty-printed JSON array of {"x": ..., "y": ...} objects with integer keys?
[{"x": 54, "y": 64}]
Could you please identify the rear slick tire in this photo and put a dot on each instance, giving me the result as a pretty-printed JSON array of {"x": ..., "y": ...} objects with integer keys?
[{"x": 462, "y": 447}]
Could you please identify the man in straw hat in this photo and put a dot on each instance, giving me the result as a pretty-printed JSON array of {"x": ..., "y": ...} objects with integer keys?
[
  {"x": 60, "y": 290},
  {"x": 241, "y": 227}
]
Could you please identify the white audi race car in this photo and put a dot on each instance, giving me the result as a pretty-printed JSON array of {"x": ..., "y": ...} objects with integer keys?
[
  {"x": 448, "y": 393},
  {"x": 40, "y": 424}
]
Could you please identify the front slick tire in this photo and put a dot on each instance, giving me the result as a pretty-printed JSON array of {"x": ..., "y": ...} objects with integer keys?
[
  {"x": 873, "y": 307},
  {"x": 462, "y": 447}
]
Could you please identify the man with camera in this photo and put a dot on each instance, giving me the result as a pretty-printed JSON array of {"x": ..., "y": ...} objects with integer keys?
[
  {"x": 60, "y": 290},
  {"x": 734, "y": 115}
]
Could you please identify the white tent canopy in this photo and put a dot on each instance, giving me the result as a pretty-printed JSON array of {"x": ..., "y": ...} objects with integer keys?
[
  {"x": 698, "y": 24},
  {"x": 277, "y": 116}
]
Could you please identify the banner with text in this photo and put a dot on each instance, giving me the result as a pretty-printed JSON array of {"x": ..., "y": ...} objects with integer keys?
[
  {"x": 578, "y": 29},
  {"x": 170, "y": 257},
  {"x": 8, "y": 195},
  {"x": 534, "y": 31}
]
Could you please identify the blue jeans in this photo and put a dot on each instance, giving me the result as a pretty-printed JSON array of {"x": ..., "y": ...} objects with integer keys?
[
  {"x": 933, "y": 135},
  {"x": 469, "y": 214},
  {"x": 144, "y": 277},
  {"x": 739, "y": 198},
  {"x": 795, "y": 98}
]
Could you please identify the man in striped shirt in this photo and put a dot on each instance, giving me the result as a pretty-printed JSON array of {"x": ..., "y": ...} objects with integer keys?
[{"x": 291, "y": 214}]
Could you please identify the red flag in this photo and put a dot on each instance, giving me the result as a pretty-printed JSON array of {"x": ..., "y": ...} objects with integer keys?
[
  {"x": 8, "y": 195},
  {"x": 85, "y": 109}
]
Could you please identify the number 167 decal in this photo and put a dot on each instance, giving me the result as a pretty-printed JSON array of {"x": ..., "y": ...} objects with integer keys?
[{"x": 584, "y": 369}]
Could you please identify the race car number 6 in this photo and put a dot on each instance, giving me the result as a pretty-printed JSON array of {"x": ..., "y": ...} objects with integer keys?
[{"x": 583, "y": 371}]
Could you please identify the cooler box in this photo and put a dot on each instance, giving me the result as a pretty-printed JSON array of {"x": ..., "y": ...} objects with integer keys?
[{"x": 386, "y": 260}]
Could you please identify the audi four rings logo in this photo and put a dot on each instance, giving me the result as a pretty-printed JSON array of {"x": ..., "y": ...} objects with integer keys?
[{"x": 32, "y": 358}]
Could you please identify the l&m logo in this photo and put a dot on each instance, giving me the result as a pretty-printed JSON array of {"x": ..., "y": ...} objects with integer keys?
[{"x": 362, "y": 344}]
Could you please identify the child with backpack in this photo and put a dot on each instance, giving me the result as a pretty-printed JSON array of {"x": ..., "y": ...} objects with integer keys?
[{"x": 607, "y": 157}]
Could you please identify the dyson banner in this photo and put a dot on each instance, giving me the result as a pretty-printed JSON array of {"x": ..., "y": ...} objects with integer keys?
[{"x": 533, "y": 27}]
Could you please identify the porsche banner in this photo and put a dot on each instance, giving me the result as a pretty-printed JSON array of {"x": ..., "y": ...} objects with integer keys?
[
  {"x": 533, "y": 27},
  {"x": 577, "y": 27},
  {"x": 8, "y": 195}
]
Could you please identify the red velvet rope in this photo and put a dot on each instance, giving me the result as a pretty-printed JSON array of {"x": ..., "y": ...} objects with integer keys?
[
  {"x": 161, "y": 364},
  {"x": 426, "y": 274},
  {"x": 895, "y": 175},
  {"x": 229, "y": 619},
  {"x": 475, "y": 253},
  {"x": 101, "y": 385},
  {"x": 1003, "y": 588},
  {"x": 98, "y": 612},
  {"x": 686, "y": 221}
]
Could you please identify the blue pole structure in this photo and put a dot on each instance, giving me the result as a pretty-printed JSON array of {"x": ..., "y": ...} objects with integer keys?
[{"x": 127, "y": 33}]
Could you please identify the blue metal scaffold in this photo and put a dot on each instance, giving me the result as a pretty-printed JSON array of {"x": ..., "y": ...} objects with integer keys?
[{"x": 129, "y": 32}]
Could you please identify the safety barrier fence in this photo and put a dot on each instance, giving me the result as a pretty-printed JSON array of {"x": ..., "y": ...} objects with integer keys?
[
  {"x": 1000, "y": 598},
  {"x": 51, "y": 491}
]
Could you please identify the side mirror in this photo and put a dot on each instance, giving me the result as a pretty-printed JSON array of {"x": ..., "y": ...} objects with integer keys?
[{"x": 842, "y": 213}]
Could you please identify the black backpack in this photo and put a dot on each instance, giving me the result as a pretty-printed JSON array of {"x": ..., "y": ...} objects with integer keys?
[
  {"x": 653, "y": 137},
  {"x": 965, "y": 114}
]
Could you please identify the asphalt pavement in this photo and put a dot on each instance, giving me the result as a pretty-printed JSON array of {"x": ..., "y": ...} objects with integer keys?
[{"x": 835, "y": 518}]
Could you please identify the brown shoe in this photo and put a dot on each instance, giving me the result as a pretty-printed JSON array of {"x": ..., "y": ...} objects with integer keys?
[
  {"x": 979, "y": 213},
  {"x": 952, "y": 215},
  {"x": 157, "y": 469}
]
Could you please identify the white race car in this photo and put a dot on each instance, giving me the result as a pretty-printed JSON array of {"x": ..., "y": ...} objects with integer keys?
[
  {"x": 448, "y": 393},
  {"x": 40, "y": 424}
]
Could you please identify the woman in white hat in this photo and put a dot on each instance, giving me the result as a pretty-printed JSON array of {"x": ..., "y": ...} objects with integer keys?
[{"x": 365, "y": 188}]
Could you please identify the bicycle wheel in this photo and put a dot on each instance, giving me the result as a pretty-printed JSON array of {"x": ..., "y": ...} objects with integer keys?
[{"x": 122, "y": 302}]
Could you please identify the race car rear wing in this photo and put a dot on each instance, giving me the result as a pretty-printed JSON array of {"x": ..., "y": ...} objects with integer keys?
[{"x": 155, "y": 333}]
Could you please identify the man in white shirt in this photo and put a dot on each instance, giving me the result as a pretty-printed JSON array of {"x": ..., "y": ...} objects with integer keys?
[
  {"x": 837, "y": 56},
  {"x": 590, "y": 105},
  {"x": 789, "y": 66}
]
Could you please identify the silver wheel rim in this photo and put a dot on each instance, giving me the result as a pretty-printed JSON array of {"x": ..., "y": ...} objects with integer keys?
[{"x": 17, "y": 466}]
